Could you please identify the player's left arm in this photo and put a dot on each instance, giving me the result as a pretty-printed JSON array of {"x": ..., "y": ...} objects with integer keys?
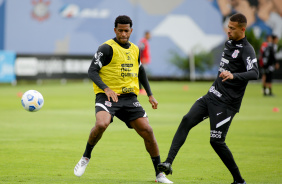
[
  {"x": 251, "y": 64},
  {"x": 145, "y": 83}
]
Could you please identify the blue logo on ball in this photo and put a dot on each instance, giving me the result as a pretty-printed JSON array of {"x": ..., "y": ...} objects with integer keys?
[
  {"x": 23, "y": 103},
  {"x": 30, "y": 97}
]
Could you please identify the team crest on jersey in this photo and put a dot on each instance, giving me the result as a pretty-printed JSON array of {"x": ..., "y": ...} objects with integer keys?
[
  {"x": 235, "y": 53},
  {"x": 109, "y": 104}
]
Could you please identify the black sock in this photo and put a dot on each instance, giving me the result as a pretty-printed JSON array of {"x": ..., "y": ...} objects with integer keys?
[
  {"x": 169, "y": 161},
  {"x": 156, "y": 161},
  {"x": 270, "y": 91},
  {"x": 264, "y": 90},
  {"x": 88, "y": 150}
]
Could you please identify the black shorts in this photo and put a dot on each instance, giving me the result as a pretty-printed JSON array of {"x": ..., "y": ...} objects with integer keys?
[
  {"x": 126, "y": 109},
  {"x": 220, "y": 116},
  {"x": 268, "y": 77},
  {"x": 268, "y": 74}
]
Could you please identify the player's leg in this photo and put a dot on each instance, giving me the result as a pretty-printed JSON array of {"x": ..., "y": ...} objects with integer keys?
[
  {"x": 220, "y": 120},
  {"x": 268, "y": 81},
  {"x": 104, "y": 111},
  {"x": 142, "y": 127},
  {"x": 103, "y": 120},
  {"x": 197, "y": 113},
  {"x": 263, "y": 77}
]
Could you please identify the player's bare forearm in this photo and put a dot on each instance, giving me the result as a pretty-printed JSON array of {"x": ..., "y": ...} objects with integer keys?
[{"x": 153, "y": 101}]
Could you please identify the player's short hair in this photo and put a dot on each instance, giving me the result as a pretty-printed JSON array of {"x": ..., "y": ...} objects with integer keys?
[
  {"x": 240, "y": 18},
  {"x": 274, "y": 36},
  {"x": 123, "y": 19}
]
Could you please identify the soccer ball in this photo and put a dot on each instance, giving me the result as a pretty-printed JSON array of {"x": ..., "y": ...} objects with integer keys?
[{"x": 32, "y": 101}]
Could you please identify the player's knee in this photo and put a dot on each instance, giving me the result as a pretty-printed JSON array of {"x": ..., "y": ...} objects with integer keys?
[
  {"x": 148, "y": 130},
  {"x": 186, "y": 122},
  {"x": 216, "y": 142},
  {"x": 101, "y": 126}
]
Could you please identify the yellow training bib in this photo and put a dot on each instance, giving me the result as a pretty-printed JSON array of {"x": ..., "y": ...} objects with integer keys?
[{"x": 121, "y": 74}]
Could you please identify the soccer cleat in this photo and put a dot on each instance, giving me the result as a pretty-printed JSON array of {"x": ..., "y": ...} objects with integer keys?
[
  {"x": 165, "y": 167},
  {"x": 81, "y": 166},
  {"x": 162, "y": 179},
  {"x": 238, "y": 183}
]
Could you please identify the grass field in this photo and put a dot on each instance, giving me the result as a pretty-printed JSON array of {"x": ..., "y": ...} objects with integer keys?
[{"x": 44, "y": 147}]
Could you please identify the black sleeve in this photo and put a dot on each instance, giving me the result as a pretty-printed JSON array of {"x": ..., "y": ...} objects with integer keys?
[
  {"x": 144, "y": 80},
  {"x": 250, "y": 61},
  {"x": 102, "y": 57}
]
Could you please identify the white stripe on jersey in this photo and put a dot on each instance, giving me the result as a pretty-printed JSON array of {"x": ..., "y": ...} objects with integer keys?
[
  {"x": 104, "y": 107},
  {"x": 223, "y": 122}
]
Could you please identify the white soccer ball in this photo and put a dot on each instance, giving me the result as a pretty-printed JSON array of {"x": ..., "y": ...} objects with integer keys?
[{"x": 32, "y": 101}]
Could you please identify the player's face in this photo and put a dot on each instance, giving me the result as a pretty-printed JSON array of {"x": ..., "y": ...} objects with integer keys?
[
  {"x": 123, "y": 32},
  {"x": 235, "y": 32}
]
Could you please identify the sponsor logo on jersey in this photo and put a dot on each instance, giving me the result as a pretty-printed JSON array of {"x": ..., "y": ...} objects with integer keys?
[
  {"x": 125, "y": 70},
  {"x": 136, "y": 104},
  {"x": 129, "y": 75},
  {"x": 216, "y": 134},
  {"x": 235, "y": 53},
  {"x": 127, "y": 90},
  {"x": 126, "y": 65},
  {"x": 109, "y": 104},
  {"x": 222, "y": 69},
  {"x": 250, "y": 63},
  {"x": 239, "y": 45},
  {"x": 214, "y": 91},
  {"x": 225, "y": 60},
  {"x": 128, "y": 58},
  {"x": 222, "y": 54},
  {"x": 97, "y": 59}
]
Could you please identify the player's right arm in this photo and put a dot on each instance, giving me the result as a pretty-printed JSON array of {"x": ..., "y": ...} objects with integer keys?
[{"x": 102, "y": 57}]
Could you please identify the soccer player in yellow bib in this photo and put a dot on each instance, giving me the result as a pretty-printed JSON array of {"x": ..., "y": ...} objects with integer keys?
[{"x": 116, "y": 71}]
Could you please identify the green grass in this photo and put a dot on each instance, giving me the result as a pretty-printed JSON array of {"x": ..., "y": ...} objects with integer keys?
[{"x": 44, "y": 147}]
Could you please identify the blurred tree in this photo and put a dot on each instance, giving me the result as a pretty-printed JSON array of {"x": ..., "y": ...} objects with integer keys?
[
  {"x": 203, "y": 61},
  {"x": 254, "y": 41}
]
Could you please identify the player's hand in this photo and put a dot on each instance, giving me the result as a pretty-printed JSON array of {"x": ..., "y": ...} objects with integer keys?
[
  {"x": 111, "y": 94},
  {"x": 277, "y": 66},
  {"x": 153, "y": 101},
  {"x": 226, "y": 75}
]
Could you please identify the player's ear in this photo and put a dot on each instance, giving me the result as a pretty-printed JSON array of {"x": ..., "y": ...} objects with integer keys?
[{"x": 243, "y": 29}]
